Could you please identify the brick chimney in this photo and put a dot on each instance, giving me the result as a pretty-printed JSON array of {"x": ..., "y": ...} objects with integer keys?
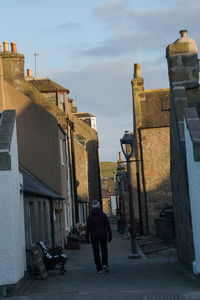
[
  {"x": 5, "y": 46},
  {"x": 29, "y": 73},
  {"x": 12, "y": 63},
  {"x": 120, "y": 158},
  {"x": 137, "y": 71},
  {"x": 13, "y": 47}
]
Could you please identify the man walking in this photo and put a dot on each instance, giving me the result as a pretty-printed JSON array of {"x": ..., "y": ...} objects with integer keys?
[{"x": 98, "y": 233}]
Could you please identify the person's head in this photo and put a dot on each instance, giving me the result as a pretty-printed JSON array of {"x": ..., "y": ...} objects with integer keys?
[{"x": 95, "y": 204}]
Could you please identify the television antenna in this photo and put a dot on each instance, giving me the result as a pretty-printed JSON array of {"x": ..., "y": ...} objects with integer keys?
[{"x": 36, "y": 54}]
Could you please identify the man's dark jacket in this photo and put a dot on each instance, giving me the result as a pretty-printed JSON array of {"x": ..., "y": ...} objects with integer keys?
[{"x": 98, "y": 225}]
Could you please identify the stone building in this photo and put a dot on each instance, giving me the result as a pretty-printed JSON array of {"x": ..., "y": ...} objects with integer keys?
[
  {"x": 83, "y": 148},
  {"x": 183, "y": 67},
  {"x": 58, "y": 104},
  {"x": 86, "y": 137},
  {"x": 106, "y": 202},
  {"x": 88, "y": 119},
  {"x": 43, "y": 153},
  {"x": 108, "y": 185},
  {"x": 151, "y": 163}
]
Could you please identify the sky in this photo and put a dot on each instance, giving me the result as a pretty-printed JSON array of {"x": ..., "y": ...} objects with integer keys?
[{"x": 90, "y": 47}]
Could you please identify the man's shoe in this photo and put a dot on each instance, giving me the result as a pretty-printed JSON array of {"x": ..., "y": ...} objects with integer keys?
[
  {"x": 100, "y": 272},
  {"x": 105, "y": 269}
]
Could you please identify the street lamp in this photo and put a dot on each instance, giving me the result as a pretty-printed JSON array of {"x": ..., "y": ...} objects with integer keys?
[
  {"x": 128, "y": 146},
  {"x": 121, "y": 204}
]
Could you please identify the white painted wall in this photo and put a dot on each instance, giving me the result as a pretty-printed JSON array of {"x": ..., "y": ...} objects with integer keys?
[
  {"x": 12, "y": 233},
  {"x": 94, "y": 123},
  {"x": 193, "y": 168},
  {"x": 113, "y": 205}
]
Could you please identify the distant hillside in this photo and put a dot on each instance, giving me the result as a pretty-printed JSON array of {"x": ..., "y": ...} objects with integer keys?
[{"x": 107, "y": 168}]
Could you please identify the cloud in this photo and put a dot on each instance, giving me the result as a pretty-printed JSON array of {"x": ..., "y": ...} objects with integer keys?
[
  {"x": 128, "y": 43},
  {"x": 100, "y": 86},
  {"x": 30, "y": 1},
  {"x": 134, "y": 31},
  {"x": 68, "y": 26},
  {"x": 111, "y": 10}
]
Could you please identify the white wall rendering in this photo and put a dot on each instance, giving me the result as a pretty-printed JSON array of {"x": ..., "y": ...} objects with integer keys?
[{"x": 12, "y": 245}]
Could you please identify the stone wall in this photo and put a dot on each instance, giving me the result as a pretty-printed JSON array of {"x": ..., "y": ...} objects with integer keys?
[
  {"x": 13, "y": 66},
  {"x": 81, "y": 170},
  {"x": 107, "y": 206},
  {"x": 108, "y": 184},
  {"x": 151, "y": 114},
  {"x": 92, "y": 149},
  {"x": 156, "y": 165}
]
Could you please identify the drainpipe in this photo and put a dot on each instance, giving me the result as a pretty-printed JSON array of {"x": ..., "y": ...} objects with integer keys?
[
  {"x": 74, "y": 178},
  {"x": 52, "y": 222},
  {"x": 2, "y": 99},
  {"x": 72, "y": 188},
  {"x": 98, "y": 171},
  {"x": 143, "y": 181}
]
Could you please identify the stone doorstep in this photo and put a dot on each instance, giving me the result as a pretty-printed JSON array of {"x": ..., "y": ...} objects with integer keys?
[{"x": 151, "y": 244}]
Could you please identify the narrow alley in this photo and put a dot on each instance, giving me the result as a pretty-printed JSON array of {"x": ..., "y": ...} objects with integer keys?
[{"x": 141, "y": 279}]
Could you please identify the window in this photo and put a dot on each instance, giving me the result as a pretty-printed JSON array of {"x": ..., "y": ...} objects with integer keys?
[
  {"x": 61, "y": 152},
  {"x": 61, "y": 101}
]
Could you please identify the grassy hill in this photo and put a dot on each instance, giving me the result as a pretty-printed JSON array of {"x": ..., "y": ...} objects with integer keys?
[{"x": 107, "y": 168}]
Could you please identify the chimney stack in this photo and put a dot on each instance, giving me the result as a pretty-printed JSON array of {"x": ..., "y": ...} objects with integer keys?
[
  {"x": 183, "y": 33},
  {"x": 137, "y": 72},
  {"x": 120, "y": 156},
  {"x": 12, "y": 63},
  {"x": 5, "y": 47},
  {"x": 13, "y": 47},
  {"x": 29, "y": 73},
  {"x": 183, "y": 63}
]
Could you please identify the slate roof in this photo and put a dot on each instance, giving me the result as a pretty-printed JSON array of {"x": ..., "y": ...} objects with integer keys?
[
  {"x": 106, "y": 194},
  {"x": 84, "y": 115},
  {"x": 47, "y": 85},
  {"x": 193, "y": 125},
  {"x": 81, "y": 200},
  {"x": 35, "y": 186},
  {"x": 152, "y": 114}
]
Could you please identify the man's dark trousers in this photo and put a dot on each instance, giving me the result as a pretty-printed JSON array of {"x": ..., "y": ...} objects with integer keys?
[{"x": 100, "y": 244}]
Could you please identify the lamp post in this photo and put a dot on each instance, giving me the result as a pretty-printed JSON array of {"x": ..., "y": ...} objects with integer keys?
[
  {"x": 121, "y": 204},
  {"x": 127, "y": 145}
]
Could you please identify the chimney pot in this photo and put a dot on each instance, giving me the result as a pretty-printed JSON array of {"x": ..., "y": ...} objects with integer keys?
[
  {"x": 5, "y": 46},
  {"x": 137, "y": 72},
  {"x": 13, "y": 47},
  {"x": 29, "y": 73},
  {"x": 120, "y": 156},
  {"x": 183, "y": 33}
]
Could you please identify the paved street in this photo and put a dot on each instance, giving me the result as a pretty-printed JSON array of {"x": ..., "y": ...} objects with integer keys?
[{"x": 144, "y": 279}]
